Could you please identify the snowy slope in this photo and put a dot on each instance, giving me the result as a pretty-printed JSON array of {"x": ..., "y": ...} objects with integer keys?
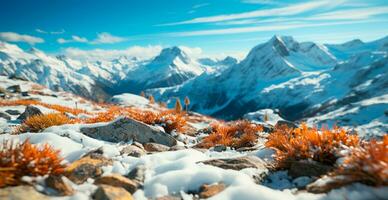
[
  {"x": 49, "y": 71},
  {"x": 171, "y": 67}
]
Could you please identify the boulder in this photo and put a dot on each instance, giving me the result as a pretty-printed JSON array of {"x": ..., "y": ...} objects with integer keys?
[
  {"x": 107, "y": 192},
  {"x": 125, "y": 129},
  {"x": 237, "y": 163},
  {"x": 14, "y": 89},
  {"x": 29, "y": 112},
  {"x": 4, "y": 115},
  {"x": 308, "y": 168},
  {"x": 13, "y": 112},
  {"x": 57, "y": 183},
  {"x": 87, "y": 167},
  {"x": 133, "y": 150},
  {"x": 207, "y": 191},
  {"x": 118, "y": 180},
  {"x": 22, "y": 192},
  {"x": 169, "y": 197},
  {"x": 155, "y": 147}
]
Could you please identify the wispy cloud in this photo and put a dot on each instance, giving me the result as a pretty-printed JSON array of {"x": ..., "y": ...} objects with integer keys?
[
  {"x": 50, "y": 32},
  {"x": 16, "y": 37},
  {"x": 282, "y": 11},
  {"x": 107, "y": 38},
  {"x": 142, "y": 52},
  {"x": 74, "y": 38},
  {"x": 263, "y": 28},
  {"x": 349, "y": 14},
  {"x": 200, "y": 5}
]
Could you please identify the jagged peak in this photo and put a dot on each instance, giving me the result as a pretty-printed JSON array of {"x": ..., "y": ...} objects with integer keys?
[{"x": 170, "y": 54}]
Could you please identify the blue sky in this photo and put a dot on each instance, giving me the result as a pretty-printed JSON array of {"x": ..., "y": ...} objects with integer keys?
[{"x": 215, "y": 27}]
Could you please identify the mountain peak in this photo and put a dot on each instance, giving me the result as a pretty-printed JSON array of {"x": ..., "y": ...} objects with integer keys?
[{"x": 170, "y": 54}]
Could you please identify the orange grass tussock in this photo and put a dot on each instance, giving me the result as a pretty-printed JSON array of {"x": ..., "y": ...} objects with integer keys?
[
  {"x": 367, "y": 163},
  {"x": 309, "y": 143},
  {"x": 235, "y": 134},
  {"x": 26, "y": 102},
  {"x": 38, "y": 123},
  {"x": 25, "y": 159}
]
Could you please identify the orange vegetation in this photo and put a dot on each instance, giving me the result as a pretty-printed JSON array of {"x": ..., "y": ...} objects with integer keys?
[
  {"x": 309, "y": 143},
  {"x": 168, "y": 119},
  {"x": 25, "y": 159},
  {"x": 39, "y": 122},
  {"x": 58, "y": 108},
  {"x": 368, "y": 163},
  {"x": 233, "y": 134}
]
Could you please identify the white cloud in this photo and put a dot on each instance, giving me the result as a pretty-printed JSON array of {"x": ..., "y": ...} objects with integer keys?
[
  {"x": 141, "y": 52},
  {"x": 16, "y": 37},
  {"x": 200, "y": 5},
  {"x": 267, "y": 2},
  {"x": 107, "y": 38},
  {"x": 262, "y": 28},
  {"x": 351, "y": 14},
  {"x": 74, "y": 38},
  {"x": 282, "y": 11},
  {"x": 50, "y": 32}
]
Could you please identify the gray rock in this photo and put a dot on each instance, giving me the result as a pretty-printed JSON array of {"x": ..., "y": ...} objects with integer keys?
[
  {"x": 22, "y": 192},
  {"x": 133, "y": 150},
  {"x": 29, "y": 112},
  {"x": 138, "y": 174},
  {"x": 13, "y": 112},
  {"x": 125, "y": 129},
  {"x": 237, "y": 163},
  {"x": 14, "y": 89},
  {"x": 308, "y": 168},
  {"x": 4, "y": 115},
  {"x": 219, "y": 148},
  {"x": 155, "y": 147},
  {"x": 177, "y": 148},
  {"x": 289, "y": 124}
]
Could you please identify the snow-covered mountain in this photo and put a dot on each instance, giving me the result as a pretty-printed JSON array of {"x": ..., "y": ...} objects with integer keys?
[
  {"x": 170, "y": 68},
  {"x": 39, "y": 67},
  {"x": 305, "y": 81}
]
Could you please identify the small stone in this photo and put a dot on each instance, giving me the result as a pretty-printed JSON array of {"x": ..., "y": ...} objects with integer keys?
[
  {"x": 327, "y": 183},
  {"x": 13, "y": 112},
  {"x": 86, "y": 167},
  {"x": 59, "y": 185},
  {"x": 308, "y": 168},
  {"x": 238, "y": 163},
  {"x": 22, "y": 192},
  {"x": 177, "y": 148},
  {"x": 207, "y": 191},
  {"x": 133, "y": 150},
  {"x": 14, "y": 89},
  {"x": 155, "y": 147},
  {"x": 5, "y": 116},
  {"x": 219, "y": 148},
  {"x": 118, "y": 180},
  {"x": 289, "y": 124},
  {"x": 138, "y": 174},
  {"x": 107, "y": 192},
  {"x": 169, "y": 197},
  {"x": 29, "y": 112}
]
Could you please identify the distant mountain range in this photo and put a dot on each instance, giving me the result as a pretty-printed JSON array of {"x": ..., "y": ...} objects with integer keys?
[{"x": 344, "y": 83}]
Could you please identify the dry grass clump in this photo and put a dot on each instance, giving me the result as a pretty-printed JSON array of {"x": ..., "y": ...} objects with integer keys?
[
  {"x": 367, "y": 163},
  {"x": 25, "y": 159},
  {"x": 26, "y": 102},
  {"x": 235, "y": 134},
  {"x": 38, "y": 123},
  {"x": 309, "y": 143}
]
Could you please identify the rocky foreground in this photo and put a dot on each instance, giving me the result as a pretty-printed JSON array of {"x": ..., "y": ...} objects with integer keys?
[{"x": 60, "y": 146}]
